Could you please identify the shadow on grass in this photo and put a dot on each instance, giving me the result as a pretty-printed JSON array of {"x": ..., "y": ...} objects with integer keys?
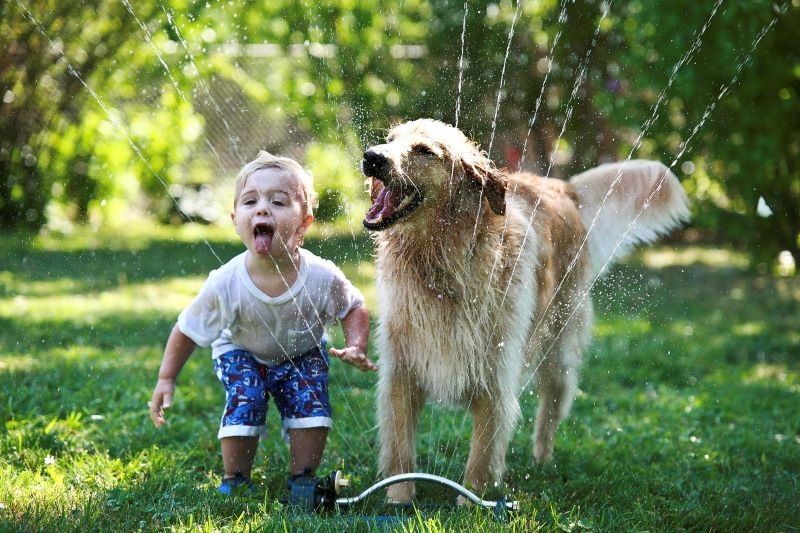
[
  {"x": 112, "y": 331},
  {"x": 102, "y": 268}
]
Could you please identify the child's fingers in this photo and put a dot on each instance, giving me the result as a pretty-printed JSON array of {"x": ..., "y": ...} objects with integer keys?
[
  {"x": 363, "y": 363},
  {"x": 360, "y": 361},
  {"x": 337, "y": 352},
  {"x": 157, "y": 406},
  {"x": 156, "y": 412}
]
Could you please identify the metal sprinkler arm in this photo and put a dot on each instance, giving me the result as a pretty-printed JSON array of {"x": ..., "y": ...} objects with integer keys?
[{"x": 460, "y": 489}]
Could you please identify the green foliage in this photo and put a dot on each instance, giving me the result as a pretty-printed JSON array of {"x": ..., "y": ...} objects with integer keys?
[
  {"x": 687, "y": 417},
  {"x": 730, "y": 107},
  {"x": 340, "y": 189},
  {"x": 52, "y": 58},
  {"x": 140, "y": 100}
]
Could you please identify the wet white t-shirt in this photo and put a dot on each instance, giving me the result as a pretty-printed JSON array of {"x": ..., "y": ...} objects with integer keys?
[{"x": 230, "y": 312}]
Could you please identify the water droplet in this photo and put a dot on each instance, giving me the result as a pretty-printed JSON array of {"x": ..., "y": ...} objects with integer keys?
[{"x": 762, "y": 209}]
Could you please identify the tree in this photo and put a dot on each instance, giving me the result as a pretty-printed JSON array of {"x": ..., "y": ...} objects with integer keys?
[
  {"x": 729, "y": 118},
  {"x": 177, "y": 92},
  {"x": 50, "y": 52}
]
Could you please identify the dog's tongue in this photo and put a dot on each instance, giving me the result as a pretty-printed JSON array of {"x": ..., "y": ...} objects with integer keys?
[
  {"x": 384, "y": 205},
  {"x": 263, "y": 241}
]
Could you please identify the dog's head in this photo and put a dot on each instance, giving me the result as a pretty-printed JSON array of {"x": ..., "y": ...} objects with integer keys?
[{"x": 427, "y": 165}]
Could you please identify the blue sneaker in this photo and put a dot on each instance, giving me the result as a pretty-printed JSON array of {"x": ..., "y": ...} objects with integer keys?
[{"x": 236, "y": 484}]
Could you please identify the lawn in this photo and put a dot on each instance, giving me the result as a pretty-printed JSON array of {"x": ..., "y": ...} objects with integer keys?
[{"x": 688, "y": 416}]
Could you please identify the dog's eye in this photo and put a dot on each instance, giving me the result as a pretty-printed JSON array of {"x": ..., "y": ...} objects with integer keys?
[{"x": 421, "y": 149}]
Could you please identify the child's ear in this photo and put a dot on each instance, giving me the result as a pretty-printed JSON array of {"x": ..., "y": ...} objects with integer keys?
[
  {"x": 306, "y": 223},
  {"x": 233, "y": 219}
]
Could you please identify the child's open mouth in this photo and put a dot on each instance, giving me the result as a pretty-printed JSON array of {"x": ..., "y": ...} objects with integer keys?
[{"x": 262, "y": 234}]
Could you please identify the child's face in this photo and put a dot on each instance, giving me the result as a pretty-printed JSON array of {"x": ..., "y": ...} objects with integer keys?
[{"x": 270, "y": 213}]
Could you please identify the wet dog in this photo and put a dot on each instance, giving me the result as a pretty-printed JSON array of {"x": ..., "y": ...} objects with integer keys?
[{"x": 483, "y": 284}]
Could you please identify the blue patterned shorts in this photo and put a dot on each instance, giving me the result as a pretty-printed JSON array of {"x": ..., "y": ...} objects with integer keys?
[{"x": 298, "y": 386}]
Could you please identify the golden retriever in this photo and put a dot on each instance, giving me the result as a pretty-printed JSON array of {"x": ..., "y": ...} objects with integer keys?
[{"x": 483, "y": 284}]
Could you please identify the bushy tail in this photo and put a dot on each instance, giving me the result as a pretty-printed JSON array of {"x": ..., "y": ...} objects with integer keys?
[{"x": 628, "y": 203}]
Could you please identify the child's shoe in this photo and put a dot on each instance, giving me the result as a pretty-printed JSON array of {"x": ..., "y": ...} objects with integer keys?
[{"x": 237, "y": 484}]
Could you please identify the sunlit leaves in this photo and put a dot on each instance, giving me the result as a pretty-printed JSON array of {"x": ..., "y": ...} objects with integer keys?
[{"x": 668, "y": 80}]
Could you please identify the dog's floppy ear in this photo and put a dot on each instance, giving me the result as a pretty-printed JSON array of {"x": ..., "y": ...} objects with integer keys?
[
  {"x": 495, "y": 188},
  {"x": 492, "y": 180}
]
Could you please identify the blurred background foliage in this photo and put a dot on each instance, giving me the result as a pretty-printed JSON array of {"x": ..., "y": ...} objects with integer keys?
[{"x": 111, "y": 109}]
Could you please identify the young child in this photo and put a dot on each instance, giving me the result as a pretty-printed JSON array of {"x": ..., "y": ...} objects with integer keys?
[{"x": 264, "y": 315}]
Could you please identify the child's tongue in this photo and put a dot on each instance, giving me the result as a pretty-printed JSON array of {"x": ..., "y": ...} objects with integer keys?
[{"x": 263, "y": 241}]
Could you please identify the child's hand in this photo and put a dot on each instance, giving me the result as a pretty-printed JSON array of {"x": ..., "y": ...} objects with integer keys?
[
  {"x": 354, "y": 356},
  {"x": 161, "y": 399}
]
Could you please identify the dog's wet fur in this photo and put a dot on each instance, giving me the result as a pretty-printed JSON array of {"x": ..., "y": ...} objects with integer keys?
[{"x": 483, "y": 284}]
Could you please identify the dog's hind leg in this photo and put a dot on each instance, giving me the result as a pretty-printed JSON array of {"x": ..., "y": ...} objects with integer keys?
[
  {"x": 557, "y": 385},
  {"x": 400, "y": 401},
  {"x": 494, "y": 417}
]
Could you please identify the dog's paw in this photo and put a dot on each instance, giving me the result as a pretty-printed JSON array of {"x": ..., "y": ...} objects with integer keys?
[
  {"x": 542, "y": 453},
  {"x": 400, "y": 494},
  {"x": 541, "y": 460},
  {"x": 461, "y": 501}
]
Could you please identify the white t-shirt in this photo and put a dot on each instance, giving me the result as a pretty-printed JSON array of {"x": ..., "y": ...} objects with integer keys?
[{"x": 230, "y": 312}]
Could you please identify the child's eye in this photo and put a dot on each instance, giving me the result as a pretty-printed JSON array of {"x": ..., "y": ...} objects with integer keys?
[
  {"x": 249, "y": 201},
  {"x": 279, "y": 203}
]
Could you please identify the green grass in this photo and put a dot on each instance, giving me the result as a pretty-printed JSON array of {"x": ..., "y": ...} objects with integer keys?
[{"x": 687, "y": 418}]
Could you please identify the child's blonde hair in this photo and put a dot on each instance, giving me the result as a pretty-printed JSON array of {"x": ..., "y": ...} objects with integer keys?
[{"x": 266, "y": 160}]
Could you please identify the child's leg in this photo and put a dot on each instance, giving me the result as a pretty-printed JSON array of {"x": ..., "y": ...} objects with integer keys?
[
  {"x": 245, "y": 410},
  {"x": 300, "y": 390},
  {"x": 238, "y": 454},
  {"x": 305, "y": 448}
]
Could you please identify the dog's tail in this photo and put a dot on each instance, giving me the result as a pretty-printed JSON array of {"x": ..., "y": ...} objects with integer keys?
[{"x": 628, "y": 203}]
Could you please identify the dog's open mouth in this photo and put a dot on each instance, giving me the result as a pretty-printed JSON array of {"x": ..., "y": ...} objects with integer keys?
[
  {"x": 390, "y": 205},
  {"x": 262, "y": 237}
]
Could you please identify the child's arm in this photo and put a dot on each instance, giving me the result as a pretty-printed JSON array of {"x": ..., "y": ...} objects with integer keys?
[
  {"x": 356, "y": 336},
  {"x": 179, "y": 348}
]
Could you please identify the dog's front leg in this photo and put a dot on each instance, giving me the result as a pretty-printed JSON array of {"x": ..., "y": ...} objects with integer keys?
[
  {"x": 494, "y": 417},
  {"x": 400, "y": 401}
]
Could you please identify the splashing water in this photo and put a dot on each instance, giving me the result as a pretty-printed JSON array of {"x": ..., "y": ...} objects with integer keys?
[
  {"x": 110, "y": 114},
  {"x": 118, "y": 125},
  {"x": 562, "y": 19},
  {"x": 696, "y": 44},
  {"x": 576, "y": 85},
  {"x": 461, "y": 62},
  {"x": 503, "y": 78},
  {"x": 149, "y": 39},
  {"x": 497, "y": 108},
  {"x": 206, "y": 91},
  {"x": 685, "y": 59}
]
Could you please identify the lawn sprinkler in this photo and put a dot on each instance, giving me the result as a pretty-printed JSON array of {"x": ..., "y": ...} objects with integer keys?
[{"x": 312, "y": 493}]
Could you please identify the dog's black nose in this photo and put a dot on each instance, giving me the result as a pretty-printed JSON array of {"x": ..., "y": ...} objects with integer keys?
[{"x": 374, "y": 164}]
